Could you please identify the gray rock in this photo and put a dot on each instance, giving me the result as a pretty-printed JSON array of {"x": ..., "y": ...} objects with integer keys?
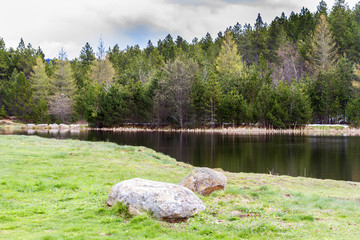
[
  {"x": 30, "y": 126},
  {"x": 204, "y": 181},
  {"x": 54, "y": 126},
  {"x": 42, "y": 126},
  {"x": 75, "y": 126},
  {"x": 64, "y": 126},
  {"x": 166, "y": 201}
]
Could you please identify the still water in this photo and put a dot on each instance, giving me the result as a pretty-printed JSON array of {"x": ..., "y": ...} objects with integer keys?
[{"x": 326, "y": 157}]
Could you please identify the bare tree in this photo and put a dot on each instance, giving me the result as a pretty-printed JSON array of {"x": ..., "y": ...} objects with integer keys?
[
  {"x": 176, "y": 86},
  {"x": 290, "y": 67},
  {"x": 61, "y": 106}
]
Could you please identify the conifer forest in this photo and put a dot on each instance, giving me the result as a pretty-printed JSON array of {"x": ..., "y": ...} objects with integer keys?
[{"x": 298, "y": 69}]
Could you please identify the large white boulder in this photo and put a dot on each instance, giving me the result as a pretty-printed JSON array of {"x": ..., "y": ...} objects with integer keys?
[
  {"x": 204, "y": 181},
  {"x": 166, "y": 201}
]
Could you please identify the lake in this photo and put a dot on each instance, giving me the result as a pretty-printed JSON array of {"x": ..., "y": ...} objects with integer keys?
[{"x": 325, "y": 157}]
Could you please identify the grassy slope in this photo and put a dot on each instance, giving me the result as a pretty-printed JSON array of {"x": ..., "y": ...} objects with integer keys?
[{"x": 52, "y": 189}]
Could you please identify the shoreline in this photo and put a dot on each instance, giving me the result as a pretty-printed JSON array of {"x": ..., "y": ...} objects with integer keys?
[
  {"x": 308, "y": 130},
  {"x": 331, "y": 130}
]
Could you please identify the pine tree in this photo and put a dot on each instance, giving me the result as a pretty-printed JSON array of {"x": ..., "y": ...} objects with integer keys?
[
  {"x": 258, "y": 40},
  {"x": 3, "y": 113},
  {"x": 19, "y": 96},
  {"x": 3, "y": 61},
  {"x": 340, "y": 24},
  {"x": 233, "y": 108},
  {"x": 62, "y": 87},
  {"x": 213, "y": 96},
  {"x": 39, "y": 80},
  {"x": 82, "y": 66},
  {"x": 353, "y": 112},
  {"x": 25, "y": 57},
  {"x": 323, "y": 53},
  {"x": 3, "y": 70},
  {"x": 322, "y": 8},
  {"x": 228, "y": 62},
  {"x": 167, "y": 48},
  {"x": 356, "y": 12},
  {"x": 87, "y": 56},
  {"x": 102, "y": 72}
]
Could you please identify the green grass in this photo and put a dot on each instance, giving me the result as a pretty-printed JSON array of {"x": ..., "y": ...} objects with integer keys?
[
  {"x": 56, "y": 189},
  {"x": 326, "y": 127}
]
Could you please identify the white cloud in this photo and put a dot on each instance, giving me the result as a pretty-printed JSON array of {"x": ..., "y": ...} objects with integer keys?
[{"x": 53, "y": 24}]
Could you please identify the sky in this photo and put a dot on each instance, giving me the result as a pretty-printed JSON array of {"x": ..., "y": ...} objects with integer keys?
[{"x": 69, "y": 24}]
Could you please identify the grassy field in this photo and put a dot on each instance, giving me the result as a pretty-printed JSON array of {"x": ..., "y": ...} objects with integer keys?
[{"x": 56, "y": 189}]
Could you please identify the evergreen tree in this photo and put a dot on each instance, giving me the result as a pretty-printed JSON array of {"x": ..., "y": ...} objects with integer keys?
[
  {"x": 87, "y": 56},
  {"x": 353, "y": 112},
  {"x": 62, "y": 87},
  {"x": 342, "y": 85},
  {"x": 356, "y": 13},
  {"x": 102, "y": 73},
  {"x": 198, "y": 102},
  {"x": 340, "y": 23},
  {"x": 24, "y": 58},
  {"x": 40, "y": 82},
  {"x": 3, "y": 61},
  {"x": 149, "y": 48},
  {"x": 167, "y": 48},
  {"x": 233, "y": 108},
  {"x": 137, "y": 103},
  {"x": 18, "y": 99},
  {"x": 3, "y": 70},
  {"x": 112, "y": 108},
  {"x": 213, "y": 96},
  {"x": 229, "y": 61},
  {"x": 323, "y": 53},
  {"x": 3, "y": 113},
  {"x": 322, "y": 8},
  {"x": 258, "y": 40},
  {"x": 82, "y": 67}
]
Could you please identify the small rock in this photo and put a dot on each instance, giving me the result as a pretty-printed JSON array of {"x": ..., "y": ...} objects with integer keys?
[
  {"x": 204, "y": 181},
  {"x": 166, "y": 201}
]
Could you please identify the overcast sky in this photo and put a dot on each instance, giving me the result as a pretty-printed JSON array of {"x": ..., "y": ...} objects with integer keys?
[{"x": 52, "y": 24}]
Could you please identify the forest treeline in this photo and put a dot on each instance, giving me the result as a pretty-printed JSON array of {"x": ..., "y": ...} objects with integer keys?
[{"x": 298, "y": 69}]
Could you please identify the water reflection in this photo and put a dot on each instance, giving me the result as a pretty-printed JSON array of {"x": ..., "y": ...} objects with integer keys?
[{"x": 333, "y": 157}]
